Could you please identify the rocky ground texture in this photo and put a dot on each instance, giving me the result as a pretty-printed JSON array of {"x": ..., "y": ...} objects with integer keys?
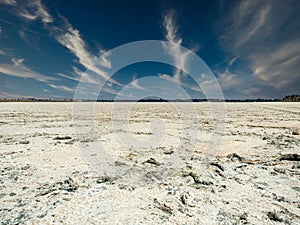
[{"x": 253, "y": 179}]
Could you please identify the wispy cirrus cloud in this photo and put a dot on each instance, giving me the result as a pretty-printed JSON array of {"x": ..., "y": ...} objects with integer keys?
[
  {"x": 69, "y": 37},
  {"x": 135, "y": 84},
  {"x": 245, "y": 21},
  {"x": 17, "y": 68},
  {"x": 62, "y": 88},
  {"x": 171, "y": 28},
  {"x": 180, "y": 57},
  {"x": 4, "y": 94},
  {"x": 29, "y": 10},
  {"x": 34, "y": 9},
  {"x": 172, "y": 35},
  {"x": 95, "y": 64},
  {"x": 181, "y": 83},
  {"x": 69, "y": 77},
  {"x": 8, "y": 2},
  {"x": 72, "y": 40},
  {"x": 281, "y": 68},
  {"x": 238, "y": 83},
  {"x": 2, "y": 52},
  {"x": 267, "y": 42}
]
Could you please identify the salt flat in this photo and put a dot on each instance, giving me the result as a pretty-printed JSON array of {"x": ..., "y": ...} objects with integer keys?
[{"x": 159, "y": 164}]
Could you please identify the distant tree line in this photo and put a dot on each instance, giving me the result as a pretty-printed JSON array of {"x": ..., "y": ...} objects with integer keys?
[
  {"x": 288, "y": 98},
  {"x": 291, "y": 98}
]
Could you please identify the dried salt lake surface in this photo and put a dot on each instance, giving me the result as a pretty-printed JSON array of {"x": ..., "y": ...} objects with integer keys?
[{"x": 253, "y": 178}]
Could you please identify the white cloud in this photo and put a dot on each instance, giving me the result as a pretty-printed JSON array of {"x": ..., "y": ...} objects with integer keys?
[
  {"x": 62, "y": 87},
  {"x": 18, "y": 69},
  {"x": 230, "y": 81},
  {"x": 68, "y": 77},
  {"x": 7, "y": 95},
  {"x": 17, "y": 62},
  {"x": 171, "y": 29},
  {"x": 171, "y": 34},
  {"x": 73, "y": 41},
  {"x": 91, "y": 80},
  {"x": 29, "y": 10},
  {"x": 248, "y": 17},
  {"x": 2, "y": 52},
  {"x": 8, "y": 2},
  {"x": 70, "y": 38},
  {"x": 282, "y": 67},
  {"x": 34, "y": 9},
  {"x": 86, "y": 77},
  {"x": 238, "y": 84},
  {"x": 181, "y": 83},
  {"x": 266, "y": 37},
  {"x": 67, "y": 36},
  {"x": 232, "y": 61},
  {"x": 136, "y": 84}
]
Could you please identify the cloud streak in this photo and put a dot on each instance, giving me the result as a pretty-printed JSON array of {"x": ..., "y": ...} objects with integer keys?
[
  {"x": 281, "y": 68},
  {"x": 4, "y": 94},
  {"x": 171, "y": 34},
  {"x": 8, "y": 2},
  {"x": 171, "y": 29},
  {"x": 38, "y": 10},
  {"x": 266, "y": 42},
  {"x": 70, "y": 38},
  {"x": 135, "y": 84},
  {"x": 181, "y": 83},
  {"x": 181, "y": 60},
  {"x": 179, "y": 57},
  {"x": 246, "y": 20},
  {"x": 62, "y": 88},
  {"x": 30, "y": 10},
  {"x": 18, "y": 69},
  {"x": 2, "y": 52}
]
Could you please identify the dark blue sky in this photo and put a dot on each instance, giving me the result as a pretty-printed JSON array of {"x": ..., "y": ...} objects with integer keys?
[{"x": 252, "y": 47}]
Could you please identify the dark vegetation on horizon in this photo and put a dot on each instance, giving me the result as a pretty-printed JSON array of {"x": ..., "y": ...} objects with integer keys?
[{"x": 288, "y": 98}]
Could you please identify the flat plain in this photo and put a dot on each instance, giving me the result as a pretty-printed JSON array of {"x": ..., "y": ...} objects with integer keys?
[{"x": 164, "y": 163}]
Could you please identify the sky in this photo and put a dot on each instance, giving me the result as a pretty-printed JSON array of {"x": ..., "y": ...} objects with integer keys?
[{"x": 251, "y": 47}]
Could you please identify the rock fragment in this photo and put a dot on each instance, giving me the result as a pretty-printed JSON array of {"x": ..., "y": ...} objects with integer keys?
[
  {"x": 290, "y": 157},
  {"x": 274, "y": 217},
  {"x": 183, "y": 198},
  {"x": 217, "y": 165},
  {"x": 62, "y": 138},
  {"x": 168, "y": 151},
  {"x": 244, "y": 216},
  {"x": 234, "y": 156},
  {"x": 197, "y": 179},
  {"x": 104, "y": 179},
  {"x": 66, "y": 185},
  {"x": 163, "y": 207},
  {"x": 152, "y": 161}
]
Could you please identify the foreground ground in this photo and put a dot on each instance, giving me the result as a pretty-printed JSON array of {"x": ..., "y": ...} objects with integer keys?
[{"x": 253, "y": 178}]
